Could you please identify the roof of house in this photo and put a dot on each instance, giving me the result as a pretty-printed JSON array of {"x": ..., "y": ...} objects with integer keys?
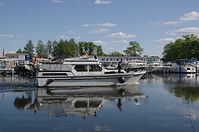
[{"x": 15, "y": 54}]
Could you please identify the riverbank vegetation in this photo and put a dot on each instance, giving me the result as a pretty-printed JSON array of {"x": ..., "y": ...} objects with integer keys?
[
  {"x": 186, "y": 47},
  {"x": 71, "y": 48}
]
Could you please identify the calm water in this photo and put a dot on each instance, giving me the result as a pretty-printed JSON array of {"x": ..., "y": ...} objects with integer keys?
[{"x": 168, "y": 103}]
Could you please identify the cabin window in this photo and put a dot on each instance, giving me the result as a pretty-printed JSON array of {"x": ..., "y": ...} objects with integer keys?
[
  {"x": 188, "y": 68},
  {"x": 81, "y": 68},
  {"x": 95, "y": 68}
]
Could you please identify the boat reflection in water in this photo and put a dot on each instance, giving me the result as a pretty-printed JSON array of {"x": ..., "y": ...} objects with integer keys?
[
  {"x": 82, "y": 102},
  {"x": 178, "y": 79}
]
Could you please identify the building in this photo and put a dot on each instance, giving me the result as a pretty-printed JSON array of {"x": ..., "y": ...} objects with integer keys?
[
  {"x": 13, "y": 59},
  {"x": 113, "y": 60}
]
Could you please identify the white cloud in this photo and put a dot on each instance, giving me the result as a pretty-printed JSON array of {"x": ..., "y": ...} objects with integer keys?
[
  {"x": 190, "y": 16},
  {"x": 77, "y": 37},
  {"x": 99, "y": 42},
  {"x": 172, "y": 23},
  {"x": 70, "y": 32},
  {"x": 106, "y": 24},
  {"x": 98, "y": 31},
  {"x": 100, "y": 24},
  {"x": 188, "y": 30},
  {"x": 86, "y": 25},
  {"x": 9, "y": 36},
  {"x": 15, "y": 41},
  {"x": 155, "y": 22},
  {"x": 57, "y": 1},
  {"x": 102, "y": 2},
  {"x": 120, "y": 42},
  {"x": 170, "y": 33},
  {"x": 62, "y": 37},
  {"x": 67, "y": 37},
  {"x": 164, "y": 40},
  {"x": 184, "y": 31},
  {"x": 121, "y": 35}
]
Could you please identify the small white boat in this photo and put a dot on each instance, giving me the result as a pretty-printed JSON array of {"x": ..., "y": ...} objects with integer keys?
[
  {"x": 135, "y": 65},
  {"x": 83, "y": 71},
  {"x": 184, "y": 66}
]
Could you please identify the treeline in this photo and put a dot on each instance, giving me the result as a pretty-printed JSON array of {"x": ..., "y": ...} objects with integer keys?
[
  {"x": 186, "y": 47},
  {"x": 63, "y": 48},
  {"x": 71, "y": 48}
]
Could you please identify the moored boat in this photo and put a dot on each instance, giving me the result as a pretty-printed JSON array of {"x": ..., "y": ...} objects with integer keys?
[{"x": 185, "y": 66}]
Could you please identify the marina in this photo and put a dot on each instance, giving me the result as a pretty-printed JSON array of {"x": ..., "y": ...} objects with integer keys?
[{"x": 99, "y": 66}]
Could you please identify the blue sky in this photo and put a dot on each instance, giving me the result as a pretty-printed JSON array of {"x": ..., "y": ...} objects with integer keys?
[{"x": 109, "y": 23}]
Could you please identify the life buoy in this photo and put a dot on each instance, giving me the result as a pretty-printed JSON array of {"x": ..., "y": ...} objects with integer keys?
[{"x": 121, "y": 79}]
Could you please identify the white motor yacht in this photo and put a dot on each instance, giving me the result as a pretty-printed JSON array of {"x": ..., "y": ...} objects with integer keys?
[{"x": 83, "y": 71}]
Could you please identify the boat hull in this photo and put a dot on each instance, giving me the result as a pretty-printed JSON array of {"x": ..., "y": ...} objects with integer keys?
[{"x": 105, "y": 80}]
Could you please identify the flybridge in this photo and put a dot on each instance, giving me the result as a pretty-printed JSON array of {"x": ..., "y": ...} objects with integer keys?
[{"x": 81, "y": 60}]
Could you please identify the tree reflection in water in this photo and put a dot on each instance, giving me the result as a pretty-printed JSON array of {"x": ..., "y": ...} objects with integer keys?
[
  {"x": 186, "y": 93},
  {"x": 183, "y": 86}
]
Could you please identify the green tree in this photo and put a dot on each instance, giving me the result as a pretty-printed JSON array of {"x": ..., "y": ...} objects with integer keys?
[
  {"x": 80, "y": 48},
  {"x": 29, "y": 48},
  {"x": 19, "y": 51},
  {"x": 72, "y": 47},
  {"x": 65, "y": 48},
  {"x": 69, "y": 48},
  {"x": 89, "y": 48},
  {"x": 49, "y": 47},
  {"x": 55, "y": 48},
  {"x": 100, "y": 51},
  {"x": 145, "y": 56},
  {"x": 134, "y": 49},
  {"x": 115, "y": 53},
  {"x": 41, "y": 49},
  {"x": 186, "y": 47},
  {"x": 60, "y": 48}
]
